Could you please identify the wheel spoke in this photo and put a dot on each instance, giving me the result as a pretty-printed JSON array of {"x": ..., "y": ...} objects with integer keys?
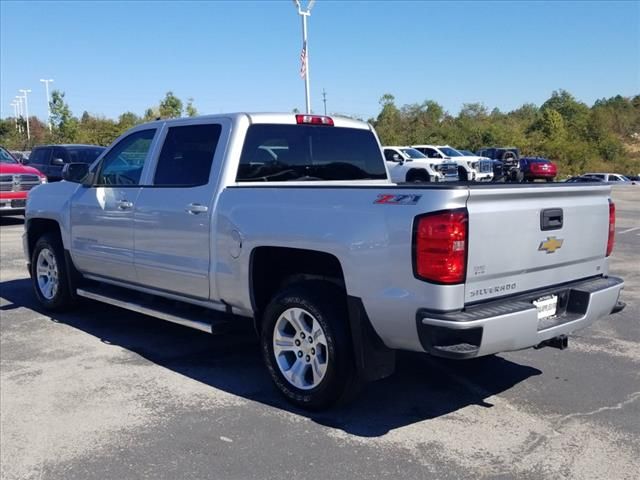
[
  {"x": 296, "y": 373},
  {"x": 318, "y": 334},
  {"x": 42, "y": 270},
  {"x": 295, "y": 319},
  {"x": 282, "y": 343},
  {"x": 318, "y": 370}
]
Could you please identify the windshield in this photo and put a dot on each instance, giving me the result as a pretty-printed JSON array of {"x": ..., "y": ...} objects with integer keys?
[
  {"x": 5, "y": 157},
  {"x": 450, "y": 152},
  {"x": 413, "y": 153},
  {"x": 84, "y": 155},
  {"x": 278, "y": 153}
]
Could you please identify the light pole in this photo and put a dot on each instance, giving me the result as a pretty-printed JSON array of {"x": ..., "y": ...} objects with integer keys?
[
  {"x": 46, "y": 87},
  {"x": 26, "y": 109},
  {"x": 19, "y": 100},
  {"x": 304, "y": 56},
  {"x": 15, "y": 113}
]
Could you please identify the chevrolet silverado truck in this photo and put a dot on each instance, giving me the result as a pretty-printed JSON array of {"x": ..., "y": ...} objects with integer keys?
[
  {"x": 292, "y": 221},
  {"x": 15, "y": 182}
]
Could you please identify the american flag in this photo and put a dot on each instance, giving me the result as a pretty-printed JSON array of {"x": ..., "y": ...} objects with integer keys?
[{"x": 303, "y": 60}]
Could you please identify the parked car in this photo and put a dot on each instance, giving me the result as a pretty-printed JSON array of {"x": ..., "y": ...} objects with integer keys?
[
  {"x": 337, "y": 266},
  {"x": 612, "y": 178},
  {"x": 15, "y": 182},
  {"x": 537, "y": 168},
  {"x": 406, "y": 164},
  {"x": 474, "y": 168},
  {"x": 50, "y": 159},
  {"x": 584, "y": 179},
  {"x": 510, "y": 158}
]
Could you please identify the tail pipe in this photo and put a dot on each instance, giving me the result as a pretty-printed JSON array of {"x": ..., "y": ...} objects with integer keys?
[{"x": 560, "y": 342}]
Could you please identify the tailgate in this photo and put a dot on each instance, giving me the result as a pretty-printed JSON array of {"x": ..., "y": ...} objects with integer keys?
[{"x": 509, "y": 252}]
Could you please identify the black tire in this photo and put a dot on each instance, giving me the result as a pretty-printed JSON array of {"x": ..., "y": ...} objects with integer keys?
[
  {"x": 61, "y": 299},
  {"x": 462, "y": 175},
  {"x": 418, "y": 176},
  {"x": 326, "y": 303}
]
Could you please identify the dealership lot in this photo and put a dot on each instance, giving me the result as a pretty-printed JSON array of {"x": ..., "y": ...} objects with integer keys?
[{"x": 106, "y": 393}]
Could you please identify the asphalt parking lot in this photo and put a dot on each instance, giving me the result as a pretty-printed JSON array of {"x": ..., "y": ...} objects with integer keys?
[{"x": 102, "y": 393}]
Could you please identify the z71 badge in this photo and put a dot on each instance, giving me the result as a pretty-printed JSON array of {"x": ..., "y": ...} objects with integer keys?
[{"x": 387, "y": 199}]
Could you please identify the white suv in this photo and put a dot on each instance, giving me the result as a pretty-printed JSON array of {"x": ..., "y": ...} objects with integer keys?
[
  {"x": 479, "y": 169},
  {"x": 406, "y": 164}
]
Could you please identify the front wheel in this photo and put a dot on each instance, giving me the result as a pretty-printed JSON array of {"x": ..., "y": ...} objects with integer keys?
[
  {"x": 49, "y": 273},
  {"x": 306, "y": 345}
]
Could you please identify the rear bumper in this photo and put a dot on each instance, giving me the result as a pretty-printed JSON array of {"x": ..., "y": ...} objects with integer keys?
[{"x": 512, "y": 324}]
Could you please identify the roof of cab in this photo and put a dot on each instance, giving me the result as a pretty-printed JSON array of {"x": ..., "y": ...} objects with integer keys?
[{"x": 265, "y": 117}]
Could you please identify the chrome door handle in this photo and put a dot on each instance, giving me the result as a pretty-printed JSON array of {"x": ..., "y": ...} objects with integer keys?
[
  {"x": 124, "y": 205},
  {"x": 196, "y": 208}
]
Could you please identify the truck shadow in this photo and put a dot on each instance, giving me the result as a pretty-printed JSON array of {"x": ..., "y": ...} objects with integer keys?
[{"x": 422, "y": 387}]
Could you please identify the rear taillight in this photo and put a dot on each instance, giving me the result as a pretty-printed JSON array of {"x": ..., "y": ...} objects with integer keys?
[
  {"x": 440, "y": 246},
  {"x": 314, "y": 120},
  {"x": 612, "y": 227}
]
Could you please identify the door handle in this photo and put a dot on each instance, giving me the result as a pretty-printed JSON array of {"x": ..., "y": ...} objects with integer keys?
[
  {"x": 124, "y": 205},
  {"x": 196, "y": 208}
]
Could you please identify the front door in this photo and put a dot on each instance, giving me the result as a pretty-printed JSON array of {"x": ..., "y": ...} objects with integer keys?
[
  {"x": 173, "y": 215},
  {"x": 102, "y": 214}
]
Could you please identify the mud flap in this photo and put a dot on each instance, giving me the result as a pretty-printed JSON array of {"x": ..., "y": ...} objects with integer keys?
[{"x": 374, "y": 360}]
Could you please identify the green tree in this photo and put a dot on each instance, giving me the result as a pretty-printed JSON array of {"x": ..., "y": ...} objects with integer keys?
[
  {"x": 170, "y": 106},
  {"x": 64, "y": 124},
  {"x": 191, "y": 110}
]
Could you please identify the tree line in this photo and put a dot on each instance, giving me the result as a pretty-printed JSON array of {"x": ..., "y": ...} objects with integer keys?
[{"x": 578, "y": 137}]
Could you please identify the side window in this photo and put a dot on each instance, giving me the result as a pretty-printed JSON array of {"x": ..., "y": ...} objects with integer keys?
[
  {"x": 614, "y": 178},
  {"x": 61, "y": 154},
  {"x": 187, "y": 155},
  {"x": 39, "y": 156},
  {"x": 388, "y": 154},
  {"x": 431, "y": 153},
  {"x": 123, "y": 164}
]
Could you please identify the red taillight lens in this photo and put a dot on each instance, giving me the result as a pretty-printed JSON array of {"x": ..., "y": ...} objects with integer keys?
[
  {"x": 314, "y": 120},
  {"x": 612, "y": 227},
  {"x": 440, "y": 247}
]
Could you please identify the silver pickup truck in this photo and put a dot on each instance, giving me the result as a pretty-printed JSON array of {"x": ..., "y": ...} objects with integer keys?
[{"x": 291, "y": 220}]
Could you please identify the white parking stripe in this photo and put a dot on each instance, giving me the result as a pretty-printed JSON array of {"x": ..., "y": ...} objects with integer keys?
[{"x": 630, "y": 230}]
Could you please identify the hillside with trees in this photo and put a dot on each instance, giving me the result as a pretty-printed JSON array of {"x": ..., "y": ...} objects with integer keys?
[{"x": 578, "y": 137}]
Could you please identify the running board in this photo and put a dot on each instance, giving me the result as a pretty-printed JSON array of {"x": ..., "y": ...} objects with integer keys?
[{"x": 135, "y": 302}]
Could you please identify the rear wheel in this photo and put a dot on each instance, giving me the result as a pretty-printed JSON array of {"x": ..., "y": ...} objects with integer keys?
[
  {"x": 306, "y": 345},
  {"x": 49, "y": 273}
]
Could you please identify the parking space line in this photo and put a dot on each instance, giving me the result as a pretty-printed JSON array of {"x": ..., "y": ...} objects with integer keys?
[{"x": 630, "y": 230}]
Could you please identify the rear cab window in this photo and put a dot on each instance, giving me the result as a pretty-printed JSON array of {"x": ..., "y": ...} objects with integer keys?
[{"x": 282, "y": 153}]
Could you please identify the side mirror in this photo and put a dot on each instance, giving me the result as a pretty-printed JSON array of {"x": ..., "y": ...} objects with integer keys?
[
  {"x": 57, "y": 161},
  {"x": 77, "y": 173},
  {"x": 397, "y": 158}
]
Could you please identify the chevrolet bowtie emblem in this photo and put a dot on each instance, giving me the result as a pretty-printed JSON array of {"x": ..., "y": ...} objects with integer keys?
[{"x": 550, "y": 245}]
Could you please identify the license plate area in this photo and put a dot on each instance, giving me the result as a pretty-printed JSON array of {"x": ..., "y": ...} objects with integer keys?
[
  {"x": 18, "y": 203},
  {"x": 547, "y": 306}
]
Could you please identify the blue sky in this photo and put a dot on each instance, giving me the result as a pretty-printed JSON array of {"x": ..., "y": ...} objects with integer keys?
[{"x": 111, "y": 57}]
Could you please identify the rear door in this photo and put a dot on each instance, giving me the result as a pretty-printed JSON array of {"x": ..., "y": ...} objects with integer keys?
[
  {"x": 173, "y": 215},
  {"x": 524, "y": 238}
]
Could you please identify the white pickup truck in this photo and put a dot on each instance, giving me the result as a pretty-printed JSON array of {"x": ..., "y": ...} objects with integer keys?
[
  {"x": 406, "y": 164},
  {"x": 474, "y": 168},
  {"x": 291, "y": 220}
]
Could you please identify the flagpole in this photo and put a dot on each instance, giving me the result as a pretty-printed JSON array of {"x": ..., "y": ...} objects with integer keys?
[
  {"x": 307, "y": 94},
  {"x": 304, "y": 14}
]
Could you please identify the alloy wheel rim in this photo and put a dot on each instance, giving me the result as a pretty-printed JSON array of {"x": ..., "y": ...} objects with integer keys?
[
  {"x": 47, "y": 273},
  {"x": 300, "y": 348}
]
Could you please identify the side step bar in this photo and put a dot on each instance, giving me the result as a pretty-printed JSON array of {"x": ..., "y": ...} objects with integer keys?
[{"x": 136, "y": 303}]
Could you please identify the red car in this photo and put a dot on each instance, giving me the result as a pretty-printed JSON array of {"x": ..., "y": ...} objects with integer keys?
[
  {"x": 534, "y": 168},
  {"x": 15, "y": 182}
]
